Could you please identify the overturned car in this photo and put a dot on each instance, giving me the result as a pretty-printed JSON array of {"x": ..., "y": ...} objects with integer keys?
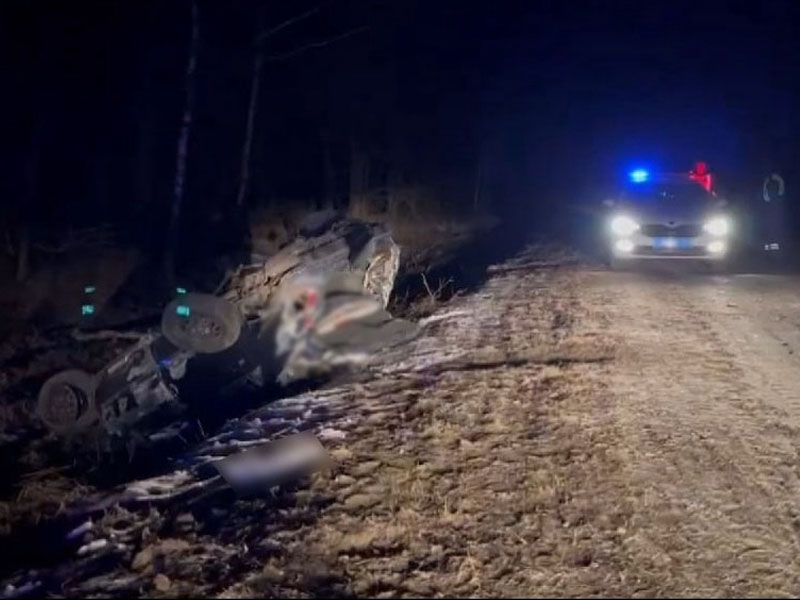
[{"x": 318, "y": 304}]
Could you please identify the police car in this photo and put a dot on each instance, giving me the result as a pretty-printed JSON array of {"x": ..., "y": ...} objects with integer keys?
[{"x": 668, "y": 216}]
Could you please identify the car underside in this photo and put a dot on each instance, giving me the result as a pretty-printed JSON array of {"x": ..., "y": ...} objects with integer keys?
[{"x": 315, "y": 306}]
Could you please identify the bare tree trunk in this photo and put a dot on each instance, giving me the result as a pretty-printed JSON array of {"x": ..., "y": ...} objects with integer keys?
[
  {"x": 145, "y": 145},
  {"x": 100, "y": 182},
  {"x": 359, "y": 180},
  {"x": 244, "y": 174},
  {"x": 23, "y": 253},
  {"x": 183, "y": 150},
  {"x": 478, "y": 184},
  {"x": 252, "y": 109},
  {"x": 27, "y": 210},
  {"x": 329, "y": 172}
]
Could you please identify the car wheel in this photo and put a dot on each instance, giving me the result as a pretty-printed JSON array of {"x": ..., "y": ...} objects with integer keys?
[
  {"x": 201, "y": 323},
  {"x": 66, "y": 402}
]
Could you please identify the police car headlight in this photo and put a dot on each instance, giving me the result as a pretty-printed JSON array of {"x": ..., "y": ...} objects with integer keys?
[
  {"x": 623, "y": 225},
  {"x": 624, "y": 246},
  {"x": 718, "y": 226}
]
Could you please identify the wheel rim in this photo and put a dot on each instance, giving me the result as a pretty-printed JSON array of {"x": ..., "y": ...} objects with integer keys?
[
  {"x": 202, "y": 327},
  {"x": 201, "y": 323},
  {"x": 63, "y": 407}
]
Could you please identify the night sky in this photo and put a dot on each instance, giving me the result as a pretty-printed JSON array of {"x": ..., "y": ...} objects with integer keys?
[{"x": 559, "y": 98}]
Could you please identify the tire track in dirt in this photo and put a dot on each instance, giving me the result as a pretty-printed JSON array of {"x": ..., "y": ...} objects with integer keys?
[{"x": 713, "y": 494}]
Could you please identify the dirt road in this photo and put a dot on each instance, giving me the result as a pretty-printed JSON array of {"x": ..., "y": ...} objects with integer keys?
[
  {"x": 600, "y": 433},
  {"x": 705, "y": 393},
  {"x": 559, "y": 432}
]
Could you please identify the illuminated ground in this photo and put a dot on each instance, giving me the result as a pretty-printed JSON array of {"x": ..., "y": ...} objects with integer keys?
[
  {"x": 669, "y": 469},
  {"x": 559, "y": 432}
]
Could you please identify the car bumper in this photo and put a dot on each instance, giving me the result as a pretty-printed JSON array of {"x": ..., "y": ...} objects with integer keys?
[{"x": 640, "y": 246}]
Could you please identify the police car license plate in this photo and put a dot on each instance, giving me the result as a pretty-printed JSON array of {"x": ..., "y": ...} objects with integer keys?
[{"x": 671, "y": 243}]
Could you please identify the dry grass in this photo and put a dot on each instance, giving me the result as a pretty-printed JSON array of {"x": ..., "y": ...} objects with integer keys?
[
  {"x": 436, "y": 294},
  {"x": 40, "y": 498},
  {"x": 496, "y": 480},
  {"x": 559, "y": 451}
]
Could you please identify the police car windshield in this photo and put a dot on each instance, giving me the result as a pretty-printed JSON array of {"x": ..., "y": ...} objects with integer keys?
[{"x": 689, "y": 194}]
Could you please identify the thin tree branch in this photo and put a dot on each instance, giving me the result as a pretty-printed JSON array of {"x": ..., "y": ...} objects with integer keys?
[
  {"x": 270, "y": 32},
  {"x": 183, "y": 148},
  {"x": 244, "y": 172},
  {"x": 319, "y": 44}
]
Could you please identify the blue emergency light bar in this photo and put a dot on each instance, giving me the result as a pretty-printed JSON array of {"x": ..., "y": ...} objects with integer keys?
[{"x": 639, "y": 176}]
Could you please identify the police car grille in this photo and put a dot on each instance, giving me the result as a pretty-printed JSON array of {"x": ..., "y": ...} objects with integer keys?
[
  {"x": 697, "y": 251},
  {"x": 660, "y": 230}
]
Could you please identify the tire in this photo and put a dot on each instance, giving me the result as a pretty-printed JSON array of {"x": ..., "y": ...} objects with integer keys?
[
  {"x": 201, "y": 323},
  {"x": 66, "y": 402}
]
